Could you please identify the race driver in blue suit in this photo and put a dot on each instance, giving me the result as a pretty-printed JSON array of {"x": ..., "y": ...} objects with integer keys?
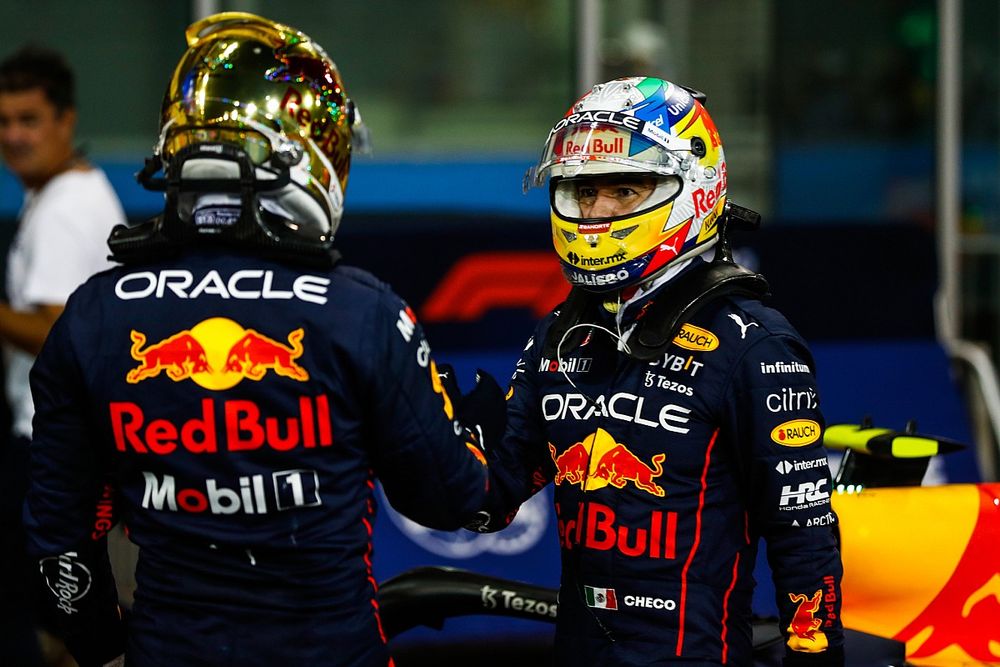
[
  {"x": 676, "y": 415},
  {"x": 232, "y": 391}
]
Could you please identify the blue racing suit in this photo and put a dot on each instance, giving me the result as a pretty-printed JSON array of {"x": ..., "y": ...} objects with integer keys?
[
  {"x": 234, "y": 412},
  {"x": 666, "y": 474}
]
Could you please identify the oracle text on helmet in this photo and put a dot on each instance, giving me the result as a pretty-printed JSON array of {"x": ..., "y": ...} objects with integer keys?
[
  {"x": 249, "y": 284},
  {"x": 610, "y": 117}
]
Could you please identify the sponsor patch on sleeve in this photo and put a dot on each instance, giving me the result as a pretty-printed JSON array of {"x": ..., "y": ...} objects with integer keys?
[{"x": 796, "y": 433}]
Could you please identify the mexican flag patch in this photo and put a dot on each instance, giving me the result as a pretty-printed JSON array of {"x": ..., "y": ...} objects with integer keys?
[{"x": 601, "y": 598}]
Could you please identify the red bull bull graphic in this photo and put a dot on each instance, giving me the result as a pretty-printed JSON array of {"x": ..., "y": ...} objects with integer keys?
[
  {"x": 938, "y": 590},
  {"x": 180, "y": 356},
  {"x": 598, "y": 461},
  {"x": 254, "y": 354},
  {"x": 571, "y": 465},
  {"x": 804, "y": 629},
  {"x": 217, "y": 354},
  {"x": 620, "y": 466}
]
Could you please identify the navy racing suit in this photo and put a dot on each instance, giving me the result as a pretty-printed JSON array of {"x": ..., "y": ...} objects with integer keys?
[
  {"x": 235, "y": 413},
  {"x": 666, "y": 474}
]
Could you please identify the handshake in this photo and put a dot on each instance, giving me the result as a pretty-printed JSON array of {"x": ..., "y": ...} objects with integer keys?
[{"x": 482, "y": 411}]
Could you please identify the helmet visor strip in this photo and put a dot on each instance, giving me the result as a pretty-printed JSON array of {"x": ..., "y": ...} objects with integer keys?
[
  {"x": 629, "y": 142},
  {"x": 257, "y": 146},
  {"x": 260, "y": 142}
]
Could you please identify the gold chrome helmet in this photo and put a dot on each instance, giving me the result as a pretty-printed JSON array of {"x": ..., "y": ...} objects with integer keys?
[
  {"x": 256, "y": 135},
  {"x": 650, "y": 146}
]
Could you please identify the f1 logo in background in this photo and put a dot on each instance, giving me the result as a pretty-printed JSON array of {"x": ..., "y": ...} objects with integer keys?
[{"x": 481, "y": 282}]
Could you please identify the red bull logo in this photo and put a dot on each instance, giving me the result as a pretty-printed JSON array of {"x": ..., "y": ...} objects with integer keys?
[
  {"x": 599, "y": 461},
  {"x": 804, "y": 630},
  {"x": 232, "y": 425},
  {"x": 964, "y": 617},
  {"x": 217, "y": 353},
  {"x": 254, "y": 354},
  {"x": 596, "y": 526},
  {"x": 179, "y": 356}
]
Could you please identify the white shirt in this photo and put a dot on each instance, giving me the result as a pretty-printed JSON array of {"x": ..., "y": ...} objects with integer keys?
[{"x": 60, "y": 242}]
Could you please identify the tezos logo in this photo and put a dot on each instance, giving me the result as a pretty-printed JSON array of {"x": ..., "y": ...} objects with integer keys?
[{"x": 493, "y": 598}]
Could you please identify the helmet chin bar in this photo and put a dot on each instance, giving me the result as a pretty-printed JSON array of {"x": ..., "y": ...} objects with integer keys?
[{"x": 169, "y": 232}]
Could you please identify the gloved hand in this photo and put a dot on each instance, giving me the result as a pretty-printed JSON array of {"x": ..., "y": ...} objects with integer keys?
[{"x": 483, "y": 410}]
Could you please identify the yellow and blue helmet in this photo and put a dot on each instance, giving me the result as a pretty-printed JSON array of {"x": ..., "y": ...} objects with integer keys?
[{"x": 623, "y": 131}]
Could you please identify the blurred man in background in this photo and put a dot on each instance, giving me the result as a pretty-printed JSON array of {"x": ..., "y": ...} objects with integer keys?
[
  {"x": 69, "y": 209},
  {"x": 677, "y": 416},
  {"x": 233, "y": 390}
]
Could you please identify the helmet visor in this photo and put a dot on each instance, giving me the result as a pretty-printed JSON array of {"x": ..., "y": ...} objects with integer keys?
[
  {"x": 254, "y": 144},
  {"x": 611, "y": 196},
  {"x": 597, "y": 147}
]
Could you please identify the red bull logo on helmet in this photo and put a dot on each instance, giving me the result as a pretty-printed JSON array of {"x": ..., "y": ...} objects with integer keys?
[
  {"x": 217, "y": 354},
  {"x": 599, "y": 461}
]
